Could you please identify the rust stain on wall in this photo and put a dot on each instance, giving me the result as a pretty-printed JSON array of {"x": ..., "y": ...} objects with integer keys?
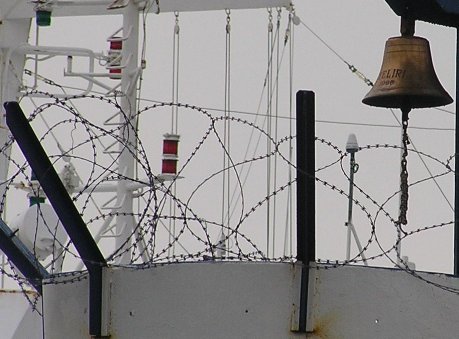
[{"x": 322, "y": 327}]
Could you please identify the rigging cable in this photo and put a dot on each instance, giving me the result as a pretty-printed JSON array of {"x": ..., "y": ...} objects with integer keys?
[
  {"x": 226, "y": 138},
  {"x": 174, "y": 123},
  {"x": 269, "y": 91},
  {"x": 37, "y": 35},
  {"x": 288, "y": 236},
  {"x": 175, "y": 74},
  {"x": 351, "y": 67},
  {"x": 320, "y": 121},
  {"x": 257, "y": 114},
  {"x": 276, "y": 127}
]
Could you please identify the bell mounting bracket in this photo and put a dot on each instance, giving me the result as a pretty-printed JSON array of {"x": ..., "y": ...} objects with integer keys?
[{"x": 441, "y": 12}]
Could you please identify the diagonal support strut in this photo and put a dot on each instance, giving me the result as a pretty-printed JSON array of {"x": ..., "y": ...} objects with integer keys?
[
  {"x": 64, "y": 208},
  {"x": 21, "y": 257}
]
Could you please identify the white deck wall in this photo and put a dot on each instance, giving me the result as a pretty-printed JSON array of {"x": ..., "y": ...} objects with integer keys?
[
  {"x": 258, "y": 300},
  {"x": 365, "y": 302},
  {"x": 17, "y": 320},
  {"x": 193, "y": 300}
]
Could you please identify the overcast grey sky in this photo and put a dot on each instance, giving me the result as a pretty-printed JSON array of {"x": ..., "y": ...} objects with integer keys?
[{"x": 357, "y": 31}]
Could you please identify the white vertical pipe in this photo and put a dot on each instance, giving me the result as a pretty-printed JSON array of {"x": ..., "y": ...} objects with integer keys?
[
  {"x": 352, "y": 147},
  {"x": 125, "y": 222},
  {"x": 12, "y": 34},
  {"x": 351, "y": 196}
]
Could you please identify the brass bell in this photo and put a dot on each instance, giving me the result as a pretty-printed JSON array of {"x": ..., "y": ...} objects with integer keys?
[{"x": 407, "y": 78}]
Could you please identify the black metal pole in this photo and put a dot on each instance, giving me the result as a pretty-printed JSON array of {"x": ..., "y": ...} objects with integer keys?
[
  {"x": 95, "y": 302},
  {"x": 456, "y": 167},
  {"x": 63, "y": 206},
  {"x": 21, "y": 257},
  {"x": 306, "y": 209}
]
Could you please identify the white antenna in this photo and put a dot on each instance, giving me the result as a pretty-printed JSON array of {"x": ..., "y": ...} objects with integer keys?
[{"x": 352, "y": 147}]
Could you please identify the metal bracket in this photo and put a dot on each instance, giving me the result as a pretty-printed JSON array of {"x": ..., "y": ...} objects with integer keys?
[{"x": 442, "y": 12}]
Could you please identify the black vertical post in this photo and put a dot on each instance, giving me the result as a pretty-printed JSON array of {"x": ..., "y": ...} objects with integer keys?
[
  {"x": 456, "y": 167},
  {"x": 306, "y": 209}
]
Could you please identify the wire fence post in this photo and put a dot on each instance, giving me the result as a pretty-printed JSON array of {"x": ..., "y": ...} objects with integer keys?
[{"x": 306, "y": 209}]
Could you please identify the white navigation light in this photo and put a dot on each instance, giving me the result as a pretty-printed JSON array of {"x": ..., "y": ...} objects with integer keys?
[{"x": 352, "y": 146}]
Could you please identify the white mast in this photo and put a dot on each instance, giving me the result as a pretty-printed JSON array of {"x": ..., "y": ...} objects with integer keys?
[
  {"x": 352, "y": 147},
  {"x": 13, "y": 33},
  {"x": 128, "y": 118}
]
